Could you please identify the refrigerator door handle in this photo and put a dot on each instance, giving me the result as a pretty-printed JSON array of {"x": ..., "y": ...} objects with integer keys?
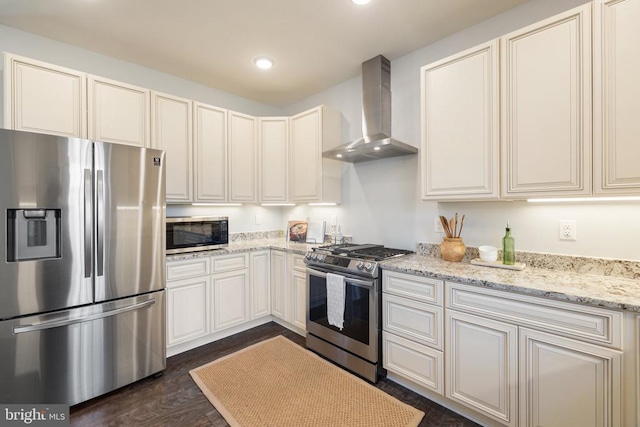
[
  {"x": 66, "y": 322},
  {"x": 87, "y": 223},
  {"x": 100, "y": 214}
]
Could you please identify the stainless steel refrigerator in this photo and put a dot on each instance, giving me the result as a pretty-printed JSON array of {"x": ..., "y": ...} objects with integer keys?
[{"x": 82, "y": 300}]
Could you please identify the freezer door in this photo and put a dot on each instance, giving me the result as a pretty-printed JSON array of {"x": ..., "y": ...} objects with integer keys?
[
  {"x": 74, "y": 355},
  {"x": 46, "y": 223},
  {"x": 130, "y": 215}
]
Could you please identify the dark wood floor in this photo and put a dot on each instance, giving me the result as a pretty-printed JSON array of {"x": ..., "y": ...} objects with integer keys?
[{"x": 173, "y": 399}]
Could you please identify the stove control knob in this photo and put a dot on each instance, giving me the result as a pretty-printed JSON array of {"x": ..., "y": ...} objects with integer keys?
[
  {"x": 314, "y": 256},
  {"x": 308, "y": 256},
  {"x": 360, "y": 265},
  {"x": 368, "y": 266},
  {"x": 321, "y": 257}
]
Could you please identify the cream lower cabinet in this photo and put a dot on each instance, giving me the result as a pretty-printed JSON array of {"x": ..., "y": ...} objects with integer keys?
[
  {"x": 289, "y": 289},
  {"x": 260, "y": 284},
  {"x": 412, "y": 323},
  {"x": 616, "y": 39},
  {"x": 187, "y": 309},
  {"x": 531, "y": 361},
  {"x": 564, "y": 382},
  {"x": 230, "y": 299},
  {"x": 44, "y": 98},
  {"x": 482, "y": 365}
]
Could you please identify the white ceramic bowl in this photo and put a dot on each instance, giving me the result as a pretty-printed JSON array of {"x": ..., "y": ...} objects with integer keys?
[{"x": 488, "y": 253}]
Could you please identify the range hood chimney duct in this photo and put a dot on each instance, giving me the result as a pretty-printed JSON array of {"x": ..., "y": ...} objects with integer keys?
[{"x": 376, "y": 142}]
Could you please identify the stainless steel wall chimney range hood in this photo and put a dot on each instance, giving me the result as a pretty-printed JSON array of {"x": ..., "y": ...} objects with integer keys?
[{"x": 376, "y": 119}]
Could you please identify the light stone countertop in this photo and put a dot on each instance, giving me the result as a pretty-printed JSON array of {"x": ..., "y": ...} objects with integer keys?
[
  {"x": 248, "y": 246},
  {"x": 604, "y": 291}
]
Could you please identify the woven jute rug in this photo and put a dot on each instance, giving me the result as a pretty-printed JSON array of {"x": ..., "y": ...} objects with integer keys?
[{"x": 278, "y": 383}]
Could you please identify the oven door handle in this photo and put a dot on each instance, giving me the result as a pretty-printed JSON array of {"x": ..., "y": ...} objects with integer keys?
[{"x": 366, "y": 283}]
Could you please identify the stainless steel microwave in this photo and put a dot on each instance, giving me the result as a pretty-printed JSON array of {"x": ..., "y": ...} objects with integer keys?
[{"x": 196, "y": 234}]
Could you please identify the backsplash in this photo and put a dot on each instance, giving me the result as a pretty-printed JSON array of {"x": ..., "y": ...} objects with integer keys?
[
  {"x": 575, "y": 264},
  {"x": 255, "y": 235}
]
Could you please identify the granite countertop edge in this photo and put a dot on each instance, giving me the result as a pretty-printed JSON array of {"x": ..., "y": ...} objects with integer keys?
[
  {"x": 247, "y": 246},
  {"x": 587, "y": 289}
]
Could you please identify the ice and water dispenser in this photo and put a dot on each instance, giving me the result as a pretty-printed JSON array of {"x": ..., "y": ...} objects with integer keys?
[{"x": 33, "y": 234}]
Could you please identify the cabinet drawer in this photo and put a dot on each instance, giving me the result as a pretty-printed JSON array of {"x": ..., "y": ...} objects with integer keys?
[
  {"x": 415, "y": 287},
  {"x": 177, "y": 270},
  {"x": 587, "y": 323},
  {"x": 224, "y": 263},
  {"x": 413, "y": 320},
  {"x": 297, "y": 262},
  {"x": 418, "y": 363}
]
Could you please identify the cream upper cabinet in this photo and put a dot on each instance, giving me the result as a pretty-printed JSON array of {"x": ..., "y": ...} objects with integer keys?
[
  {"x": 460, "y": 126},
  {"x": 44, "y": 98},
  {"x": 243, "y": 154},
  {"x": 171, "y": 130},
  {"x": 616, "y": 97},
  {"x": 273, "y": 159},
  {"x": 546, "y": 107},
  {"x": 210, "y": 153},
  {"x": 118, "y": 112},
  {"x": 568, "y": 383},
  {"x": 314, "y": 178}
]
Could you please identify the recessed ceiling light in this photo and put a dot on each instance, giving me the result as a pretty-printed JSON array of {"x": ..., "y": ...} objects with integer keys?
[
  {"x": 263, "y": 62},
  {"x": 361, "y": 2}
]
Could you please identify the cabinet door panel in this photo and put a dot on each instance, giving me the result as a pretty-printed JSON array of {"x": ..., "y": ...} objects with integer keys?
[
  {"x": 482, "y": 366},
  {"x": 243, "y": 153},
  {"x": 306, "y": 156},
  {"x": 274, "y": 151},
  {"x": 460, "y": 132},
  {"x": 44, "y": 98},
  {"x": 230, "y": 299},
  {"x": 210, "y": 153},
  {"x": 299, "y": 286},
  {"x": 187, "y": 315},
  {"x": 546, "y": 107},
  {"x": 568, "y": 383},
  {"x": 616, "y": 96},
  {"x": 118, "y": 112},
  {"x": 414, "y": 320},
  {"x": 171, "y": 131},
  {"x": 260, "y": 291},
  {"x": 279, "y": 284}
]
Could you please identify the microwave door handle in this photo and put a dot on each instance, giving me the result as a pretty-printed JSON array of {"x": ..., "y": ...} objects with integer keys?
[
  {"x": 364, "y": 283},
  {"x": 100, "y": 214},
  {"x": 87, "y": 223}
]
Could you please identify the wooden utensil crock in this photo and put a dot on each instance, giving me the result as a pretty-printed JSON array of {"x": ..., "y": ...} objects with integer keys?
[{"x": 452, "y": 249}]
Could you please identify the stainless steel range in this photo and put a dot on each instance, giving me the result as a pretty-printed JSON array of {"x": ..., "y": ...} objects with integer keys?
[{"x": 357, "y": 344}]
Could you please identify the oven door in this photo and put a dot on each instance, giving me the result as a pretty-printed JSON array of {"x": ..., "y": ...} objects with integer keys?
[{"x": 360, "y": 333}]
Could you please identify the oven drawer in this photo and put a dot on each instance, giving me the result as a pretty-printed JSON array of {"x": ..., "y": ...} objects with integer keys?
[
  {"x": 418, "y": 363},
  {"x": 420, "y": 288},
  {"x": 414, "y": 320}
]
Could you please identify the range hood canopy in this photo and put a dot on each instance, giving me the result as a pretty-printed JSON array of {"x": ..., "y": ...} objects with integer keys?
[{"x": 376, "y": 119}]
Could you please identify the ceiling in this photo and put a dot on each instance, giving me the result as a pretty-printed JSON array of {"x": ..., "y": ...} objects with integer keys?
[{"x": 315, "y": 44}]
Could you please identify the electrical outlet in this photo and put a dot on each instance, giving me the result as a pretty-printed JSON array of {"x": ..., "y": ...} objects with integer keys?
[
  {"x": 568, "y": 230},
  {"x": 437, "y": 226}
]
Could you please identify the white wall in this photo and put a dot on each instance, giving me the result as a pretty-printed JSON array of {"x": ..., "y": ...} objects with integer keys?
[{"x": 381, "y": 199}]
